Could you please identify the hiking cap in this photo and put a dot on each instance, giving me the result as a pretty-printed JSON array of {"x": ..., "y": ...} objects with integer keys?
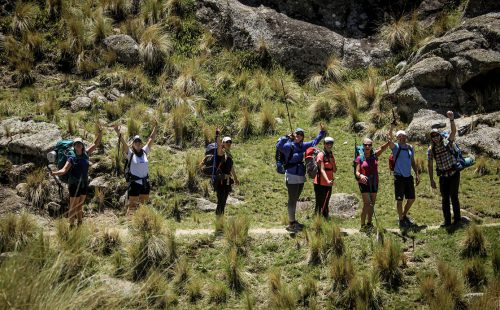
[
  {"x": 78, "y": 140},
  {"x": 225, "y": 139},
  {"x": 137, "y": 138},
  {"x": 434, "y": 130},
  {"x": 401, "y": 132},
  {"x": 300, "y": 130},
  {"x": 329, "y": 140}
]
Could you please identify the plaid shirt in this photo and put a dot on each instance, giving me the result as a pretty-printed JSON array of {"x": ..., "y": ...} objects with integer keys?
[{"x": 445, "y": 161}]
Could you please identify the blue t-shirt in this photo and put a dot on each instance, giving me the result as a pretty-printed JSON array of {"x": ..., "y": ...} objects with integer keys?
[
  {"x": 402, "y": 165},
  {"x": 79, "y": 169}
]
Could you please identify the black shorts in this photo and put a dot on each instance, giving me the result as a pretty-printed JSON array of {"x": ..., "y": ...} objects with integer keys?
[
  {"x": 404, "y": 187},
  {"x": 136, "y": 189},
  {"x": 82, "y": 190},
  {"x": 364, "y": 188}
]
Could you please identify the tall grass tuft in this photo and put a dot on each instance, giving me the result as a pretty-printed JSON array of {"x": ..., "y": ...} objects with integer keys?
[
  {"x": 23, "y": 19},
  {"x": 101, "y": 27},
  {"x": 54, "y": 8},
  {"x": 194, "y": 289},
  {"x": 71, "y": 125},
  {"x": 118, "y": 9},
  {"x": 179, "y": 123},
  {"x": 50, "y": 107},
  {"x": 351, "y": 100},
  {"x": 308, "y": 290},
  {"x": 232, "y": 268},
  {"x": 181, "y": 273},
  {"x": 315, "y": 81},
  {"x": 368, "y": 87},
  {"x": 334, "y": 243},
  {"x": 134, "y": 27},
  {"x": 147, "y": 221},
  {"x": 217, "y": 292},
  {"x": 236, "y": 232},
  {"x": 401, "y": 34},
  {"x": 133, "y": 127},
  {"x": 35, "y": 43},
  {"x": 474, "y": 243},
  {"x": 482, "y": 167},
  {"x": 152, "y": 11},
  {"x": 157, "y": 293},
  {"x": 192, "y": 166},
  {"x": 321, "y": 109},
  {"x": 86, "y": 65},
  {"x": 245, "y": 124},
  {"x": 335, "y": 71},
  {"x": 110, "y": 241},
  {"x": 38, "y": 188},
  {"x": 315, "y": 243},
  {"x": 267, "y": 120},
  {"x": 155, "y": 46},
  {"x": 342, "y": 272},
  {"x": 451, "y": 287},
  {"x": 16, "y": 231},
  {"x": 474, "y": 273},
  {"x": 490, "y": 298},
  {"x": 386, "y": 264},
  {"x": 281, "y": 297},
  {"x": 495, "y": 261},
  {"x": 219, "y": 224}
]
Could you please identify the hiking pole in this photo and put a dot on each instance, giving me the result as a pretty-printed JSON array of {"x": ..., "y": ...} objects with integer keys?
[
  {"x": 59, "y": 185},
  {"x": 286, "y": 104},
  {"x": 215, "y": 156}
]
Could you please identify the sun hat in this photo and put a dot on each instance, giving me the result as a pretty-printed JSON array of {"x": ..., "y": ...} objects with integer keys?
[
  {"x": 78, "y": 140},
  {"x": 329, "y": 140},
  {"x": 300, "y": 130}
]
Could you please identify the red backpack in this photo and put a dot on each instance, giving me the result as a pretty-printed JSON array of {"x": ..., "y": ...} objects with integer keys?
[{"x": 312, "y": 168}]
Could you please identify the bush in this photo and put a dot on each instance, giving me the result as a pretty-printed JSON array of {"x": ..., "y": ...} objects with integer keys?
[
  {"x": 342, "y": 272},
  {"x": 474, "y": 243},
  {"x": 16, "y": 231},
  {"x": 475, "y": 273},
  {"x": 38, "y": 188},
  {"x": 154, "y": 48},
  {"x": 386, "y": 264}
]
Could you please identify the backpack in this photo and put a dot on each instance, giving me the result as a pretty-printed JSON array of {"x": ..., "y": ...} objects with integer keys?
[
  {"x": 462, "y": 162},
  {"x": 312, "y": 168},
  {"x": 281, "y": 161},
  {"x": 63, "y": 150},
  {"x": 358, "y": 151},
  {"x": 207, "y": 168}
]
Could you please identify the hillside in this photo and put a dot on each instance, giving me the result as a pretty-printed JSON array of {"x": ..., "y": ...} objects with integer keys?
[{"x": 68, "y": 67}]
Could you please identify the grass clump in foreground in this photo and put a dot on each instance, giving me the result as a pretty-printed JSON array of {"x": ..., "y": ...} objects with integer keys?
[
  {"x": 474, "y": 243},
  {"x": 281, "y": 296},
  {"x": 16, "y": 231},
  {"x": 386, "y": 264},
  {"x": 447, "y": 293}
]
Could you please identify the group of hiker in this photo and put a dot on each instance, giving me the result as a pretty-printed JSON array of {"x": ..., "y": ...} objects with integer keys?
[{"x": 292, "y": 150}]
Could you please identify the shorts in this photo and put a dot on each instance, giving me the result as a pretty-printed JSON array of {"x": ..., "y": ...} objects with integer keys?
[
  {"x": 365, "y": 188},
  {"x": 404, "y": 188},
  {"x": 137, "y": 189},
  {"x": 82, "y": 190}
]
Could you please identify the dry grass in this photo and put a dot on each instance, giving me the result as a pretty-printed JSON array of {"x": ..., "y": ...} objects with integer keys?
[
  {"x": 155, "y": 46},
  {"x": 38, "y": 188},
  {"x": 342, "y": 272},
  {"x": 308, "y": 291},
  {"x": 16, "y": 231},
  {"x": 86, "y": 65},
  {"x": 217, "y": 292},
  {"x": 194, "y": 289},
  {"x": 474, "y": 243},
  {"x": 320, "y": 109},
  {"x": 133, "y": 27},
  {"x": 101, "y": 27},
  {"x": 482, "y": 167},
  {"x": 386, "y": 264},
  {"x": 236, "y": 232},
  {"x": 335, "y": 71},
  {"x": 23, "y": 19},
  {"x": 233, "y": 273},
  {"x": 281, "y": 296},
  {"x": 475, "y": 273},
  {"x": 245, "y": 124},
  {"x": 191, "y": 168},
  {"x": 267, "y": 120},
  {"x": 157, "y": 292},
  {"x": 118, "y": 9},
  {"x": 402, "y": 33}
]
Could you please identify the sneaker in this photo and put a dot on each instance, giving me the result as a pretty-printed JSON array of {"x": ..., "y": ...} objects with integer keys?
[
  {"x": 291, "y": 228},
  {"x": 299, "y": 225},
  {"x": 445, "y": 225},
  {"x": 402, "y": 223},
  {"x": 364, "y": 228},
  {"x": 409, "y": 222}
]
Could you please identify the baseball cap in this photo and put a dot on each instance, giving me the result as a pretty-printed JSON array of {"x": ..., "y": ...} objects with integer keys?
[
  {"x": 78, "y": 140},
  {"x": 401, "y": 132},
  {"x": 299, "y": 130},
  {"x": 137, "y": 137},
  {"x": 226, "y": 139},
  {"x": 329, "y": 140}
]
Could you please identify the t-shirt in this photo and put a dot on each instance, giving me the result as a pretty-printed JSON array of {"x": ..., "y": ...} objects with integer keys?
[
  {"x": 79, "y": 169},
  {"x": 369, "y": 168},
  {"x": 139, "y": 164},
  {"x": 329, "y": 161},
  {"x": 402, "y": 165}
]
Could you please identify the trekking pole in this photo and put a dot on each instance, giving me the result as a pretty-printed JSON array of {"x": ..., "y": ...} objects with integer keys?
[
  {"x": 286, "y": 104},
  {"x": 324, "y": 202},
  {"x": 59, "y": 185},
  {"x": 215, "y": 156},
  {"x": 118, "y": 159}
]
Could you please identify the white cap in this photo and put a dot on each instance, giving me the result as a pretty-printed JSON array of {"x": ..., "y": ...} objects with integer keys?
[
  {"x": 401, "y": 132},
  {"x": 137, "y": 137},
  {"x": 225, "y": 139},
  {"x": 329, "y": 139}
]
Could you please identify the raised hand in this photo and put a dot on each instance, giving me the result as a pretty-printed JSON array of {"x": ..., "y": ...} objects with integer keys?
[
  {"x": 450, "y": 115},
  {"x": 322, "y": 126},
  {"x": 117, "y": 128}
]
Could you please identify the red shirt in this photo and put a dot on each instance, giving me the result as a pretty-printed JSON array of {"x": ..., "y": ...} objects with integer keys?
[
  {"x": 328, "y": 169},
  {"x": 369, "y": 167}
]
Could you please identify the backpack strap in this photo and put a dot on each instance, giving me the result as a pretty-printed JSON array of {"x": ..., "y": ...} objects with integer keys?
[{"x": 397, "y": 154}]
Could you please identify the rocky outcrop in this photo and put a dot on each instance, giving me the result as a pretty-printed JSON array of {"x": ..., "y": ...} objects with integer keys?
[
  {"x": 125, "y": 47},
  {"x": 457, "y": 71},
  {"x": 297, "y": 45},
  {"x": 480, "y": 7},
  {"x": 28, "y": 140},
  {"x": 479, "y": 134}
]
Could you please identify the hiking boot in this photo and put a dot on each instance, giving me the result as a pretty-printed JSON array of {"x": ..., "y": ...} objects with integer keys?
[
  {"x": 409, "y": 222},
  {"x": 364, "y": 228},
  {"x": 445, "y": 225},
  {"x": 294, "y": 227},
  {"x": 402, "y": 223},
  {"x": 299, "y": 225}
]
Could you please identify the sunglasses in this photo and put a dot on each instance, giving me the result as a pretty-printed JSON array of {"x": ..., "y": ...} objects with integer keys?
[
  {"x": 434, "y": 136},
  {"x": 299, "y": 134},
  {"x": 229, "y": 142},
  {"x": 328, "y": 143},
  {"x": 367, "y": 145}
]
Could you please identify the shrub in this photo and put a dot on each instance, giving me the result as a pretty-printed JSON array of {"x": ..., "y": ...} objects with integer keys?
[
  {"x": 342, "y": 272},
  {"x": 335, "y": 72},
  {"x": 386, "y": 264},
  {"x": 217, "y": 292},
  {"x": 475, "y": 273},
  {"x": 16, "y": 231},
  {"x": 154, "y": 48},
  {"x": 232, "y": 268},
  {"x": 236, "y": 232},
  {"x": 474, "y": 243},
  {"x": 23, "y": 19},
  {"x": 194, "y": 289},
  {"x": 267, "y": 120},
  {"x": 38, "y": 188}
]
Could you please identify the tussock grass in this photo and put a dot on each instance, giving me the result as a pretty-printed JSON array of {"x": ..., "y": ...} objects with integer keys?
[
  {"x": 178, "y": 122},
  {"x": 101, "y": 27},
  {"x": 267, "y": 120},
  {"x": 147, "y": 221},
  {"x": 281, "y": 296},
  {"x": 402, "y": 33},
  {"x": 220, "y": 225},
  {"x": 191, "y": 78},
  {"x": 386, "y": 264},
  {"x": 482, "y": 167},
  {"x": 451, "y": 288},
  {"x": 446, "y": 20},
  {"x": 152, "y": 11},
  {"x": 315, "y": 81},
  {"x": 118, "y": 9},
  {"x": 71, "y": 125},
  {"x": 308, "y": 291},
  {"x": 155, "y": 46},
  {"x": 334, "y": 243},
  {"x": 16, "y": 231},
  {"x": 342, "y": 272},
  {"x": 362, "y": 293},
  {"x": 152, "y": 251},
  {"x": 110, "y": 241},
  {"x": 86, "y": 65},
  {"x": 23, "y": 19},
  {"x": 134, "y": 27},
  {"x": 474, "y": 243},
  {"x": 133, "y": 127},
  {"x": 474, "y": 273},
  {"x": 233, "y": 273},
  {"x": 38, "y": 188},
  {"x": 182, "y": 272},
  {"x": 50, "y": 106},
  {"x": 54, "y": 8},
  {"x": 490, "y": 298},
  {"x": 495, "y": 261},
  {"x": 217, "y": 292},
  {"x": 192, "y": 168},
  {"x": 236, "y": 232},
  {"x": 194, "y": 289},
  {"x": 315, "y": 243},
  {"x": 245, "y": 124},
  {"x": 34, "y": 42},
  {"x": 320, "y": 109},
  {"x": 157, "y": 292},
  {"x": 335, "y": 71}
]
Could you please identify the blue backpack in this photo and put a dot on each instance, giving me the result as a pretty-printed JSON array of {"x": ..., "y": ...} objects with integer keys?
[
  {"x": 281, "y": 161},
  {"x": 462, "y": 162},
  {"x": 63, "y": 150}
]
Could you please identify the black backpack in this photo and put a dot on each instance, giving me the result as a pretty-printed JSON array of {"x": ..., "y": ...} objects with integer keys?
[
  {"x": 281, "y": 161},
  {"x": 207, "y": 168}
]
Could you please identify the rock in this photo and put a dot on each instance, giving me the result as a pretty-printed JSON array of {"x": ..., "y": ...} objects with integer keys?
[
  {"x": 11, "y": 202},
  {"x": 343, "y": 205},
  {"x": 90, "y": 88},
  {"x": 205, "y": 205},
  {"x": 422, "y": 123},
  {"x": 234, "y": 201},
  {"x": 28, "y": 140},
  {"x": 485, "y": 140},
  {"x": 114, "y": 94},
  {"x": 58, "y": 194},
  {"x": 360, "y": 126},
  {"x": 480, "y": 7},
  {"x": 53, "y": 208},
  {"x": 97, "y": 95},
  {"x": 22, "y": 190},
  {"x": 20, "y": 172},
  {"x": 279, "y": 120},
  {"x": 122, "y": 200},
  {"x": 297, "y": 45},
  {"x": 457, "y": 71},
  {"x": 81, "y": 103},
  {"x": 125, "y": 47}
]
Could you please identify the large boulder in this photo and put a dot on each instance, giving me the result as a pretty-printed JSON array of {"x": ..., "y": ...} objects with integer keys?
[
  {"x": 28, "y": 140},
  {"x": 458, "y": 70},
  {"x": 297, "y": 45},
  {"x": 125, "y": 47}
]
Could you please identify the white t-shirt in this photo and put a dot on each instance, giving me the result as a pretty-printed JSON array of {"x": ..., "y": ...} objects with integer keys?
[{"x": 139, "y": 165}]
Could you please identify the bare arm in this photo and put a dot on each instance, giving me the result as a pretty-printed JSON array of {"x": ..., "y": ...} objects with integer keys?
[
  {"x": 97, "y": 141},
  {"x": 63, "y": 171},
  {"x": 415, "y": 169},
  {"x": 323, "y": 172},
  {"x": 452, "y": 125},
  {"x": 390, "y": 137},
  {"x": 359, "y": 175},
  {"x": 151, "y": 138},
  {"x": 220, "y": 152},
  {"x": 381, "y": 149},
  {"x": 122, "y": 140}
]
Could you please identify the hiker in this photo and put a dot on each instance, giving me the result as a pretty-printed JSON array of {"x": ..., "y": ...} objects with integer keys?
[
  {"x": 441, "y": 150},
  {"x": 137, "y": 169},
  {"x": 295, "y": 172},
  {"x": 225, "y": 174},
  {"x": 404, "y": 186},
  {"x": 323, "y": 183},
  {"x": 367, "y": 176},
  {"x": 77, "y": 166}
]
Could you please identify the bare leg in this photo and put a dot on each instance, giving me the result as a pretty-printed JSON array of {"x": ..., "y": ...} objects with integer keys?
[
  {"x": 366, "y": 207},
  {"x": 72, "y": 213},
  {"x": 143, "y": 199},
  {"x": 371, "y": 206},
  {"x": 133, "y": 202},
  {"x": 399, "y": 205},
  {"x": 81, "y": 201},
  {"x": 408, "y": 205}
]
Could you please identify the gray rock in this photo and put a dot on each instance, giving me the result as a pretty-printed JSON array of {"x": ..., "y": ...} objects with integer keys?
[
  {"x": 234, "y": 201},
  {"x": 97, "y": 95},
  {"x": 343, "y": 205},
  {"x": 457, "y": 71},
  {"x": 360, "y": 126},
  {"x": 100, "y": 182},
  {"x": 125, "y": 47},
  {"x": 205, "y": 205},
  {"x": 81, "y": 103},
  {"x": 480, "y": 7},
  {"x": 297, "y": 45},
  {"x": 484, "y": 140},
  {"x": 89, "y": 89},
  {"x": 422, "y": 123},
  {"x": 20, "y": 172},
  {"x": 53, "y": 207},
  {"x": 28, "y": 140},
  {"x": 22, "y": 190}
]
